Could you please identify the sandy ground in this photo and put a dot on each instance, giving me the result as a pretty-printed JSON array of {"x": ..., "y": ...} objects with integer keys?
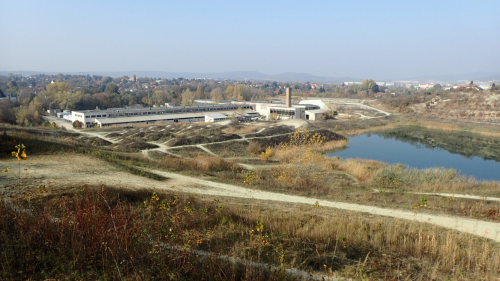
[{"x": 56, "y": 171}]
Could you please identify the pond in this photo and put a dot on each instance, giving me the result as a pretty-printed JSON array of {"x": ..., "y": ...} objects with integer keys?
[{"x": 418, "y": 154}]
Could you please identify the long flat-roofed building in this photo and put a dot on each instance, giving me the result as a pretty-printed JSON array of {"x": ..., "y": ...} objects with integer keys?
[
  {"x": 197, "y": 113},
  {"x": 170, "y": 118},
  {"x": 89, "y": 117}
]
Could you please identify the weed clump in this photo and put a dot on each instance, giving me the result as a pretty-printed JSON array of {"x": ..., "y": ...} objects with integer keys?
[{"x": 396, "y": 175}]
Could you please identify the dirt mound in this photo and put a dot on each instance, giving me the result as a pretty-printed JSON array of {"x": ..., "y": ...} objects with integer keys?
[
  {"x": 181, "y": 140},
  {"x": 329, "y": 135},
  {"x": 271, "y": 131}
]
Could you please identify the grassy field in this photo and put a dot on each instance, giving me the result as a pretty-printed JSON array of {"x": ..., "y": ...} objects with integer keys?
[
  {"x": 110, "y": 232},
  {"x": 90, "y": 233}
]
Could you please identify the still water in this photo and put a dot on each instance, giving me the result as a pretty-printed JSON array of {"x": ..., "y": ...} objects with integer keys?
[{"x": 394, "y": 151}]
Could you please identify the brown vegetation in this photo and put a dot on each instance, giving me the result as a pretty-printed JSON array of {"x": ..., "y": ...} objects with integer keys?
[
  {"x": 126, "y": 234},
  {"x": 56, "y": 237}
]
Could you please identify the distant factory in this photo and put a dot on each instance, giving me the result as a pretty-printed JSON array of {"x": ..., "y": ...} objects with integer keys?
[{"x": 202, "y": 111}]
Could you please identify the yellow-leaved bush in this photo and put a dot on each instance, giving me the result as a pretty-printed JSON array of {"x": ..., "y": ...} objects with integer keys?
[{"x": 301, "y": 160}]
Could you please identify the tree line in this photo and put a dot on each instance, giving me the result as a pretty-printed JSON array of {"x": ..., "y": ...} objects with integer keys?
[{"x": 38, "y": 93}]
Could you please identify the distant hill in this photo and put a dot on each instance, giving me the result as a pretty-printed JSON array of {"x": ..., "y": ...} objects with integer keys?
[
  {"x": 476, "y": 76},
  {"x": 281, "y": 77},
  {"x": 233, "y": 75}
]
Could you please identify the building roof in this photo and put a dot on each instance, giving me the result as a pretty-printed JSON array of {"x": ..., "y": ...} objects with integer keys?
[
  {"x": 161, "y": 117},
  {"x": 315, "y": 111},
  {"x": 216, "y": 115},
  {"x": 149, "y": 118}
]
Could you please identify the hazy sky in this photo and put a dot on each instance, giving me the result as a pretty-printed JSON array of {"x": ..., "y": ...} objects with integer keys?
[{"x": 364, "y": 39}]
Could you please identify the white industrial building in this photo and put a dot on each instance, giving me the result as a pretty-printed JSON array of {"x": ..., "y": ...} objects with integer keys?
[
  {"x": 201, "y": 112},
  {"x": 92, "y": 117},
  {"x": 284, "y": 111}
]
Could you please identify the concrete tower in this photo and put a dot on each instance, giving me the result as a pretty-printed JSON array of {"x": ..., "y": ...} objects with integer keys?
[{"x": 288, "y": 97}]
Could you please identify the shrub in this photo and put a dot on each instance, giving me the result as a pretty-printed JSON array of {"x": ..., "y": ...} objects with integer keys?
[
  {"x": 301, "y": 162},
  {"x": 266, "y": 155},
  {"x": 254, "y": 148},
  {"x": 77, "y": 124}
]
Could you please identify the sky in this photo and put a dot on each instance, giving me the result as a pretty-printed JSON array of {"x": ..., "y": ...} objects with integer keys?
[{"x": 356, "y": 38}]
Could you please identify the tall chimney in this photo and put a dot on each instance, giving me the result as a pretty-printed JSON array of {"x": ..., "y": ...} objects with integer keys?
[{"x": 288, "y": 97}]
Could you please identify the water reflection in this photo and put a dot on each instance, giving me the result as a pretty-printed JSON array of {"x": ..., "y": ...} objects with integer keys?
[{"x": 426, "y": 154}]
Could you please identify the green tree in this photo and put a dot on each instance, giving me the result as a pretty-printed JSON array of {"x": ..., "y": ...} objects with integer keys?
[
  {"x": 12, "y": 84},
  {"x": 111, "y": 88},
  {"x": 29, "y": 115},
  {"x": 369, "y": 85},
  {"x": 56, "y": 87},
  {"x": 106, "y": 80},
  {"x": 437, "y": 88},
  {"x": 7, "y": 113}
]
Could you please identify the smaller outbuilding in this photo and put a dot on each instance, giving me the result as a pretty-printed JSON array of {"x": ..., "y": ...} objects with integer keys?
[
  {"x": 315, "y": 114},
  {"x": 215, "y": 117}
]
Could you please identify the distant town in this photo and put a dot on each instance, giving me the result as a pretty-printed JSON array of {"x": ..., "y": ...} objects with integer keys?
[{"x": 89, "y": 101}]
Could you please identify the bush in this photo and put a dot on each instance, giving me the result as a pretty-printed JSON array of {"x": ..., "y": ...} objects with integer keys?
[
  {"x": 266, "y": 155},
  {"x": 254, "y": 148},
  {"x": 77, "y": 124}
]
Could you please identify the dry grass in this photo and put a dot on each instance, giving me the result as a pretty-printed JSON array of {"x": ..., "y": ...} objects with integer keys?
[
  {"x": 190, "y": 151},
  {"x": 229, "y": 149},
  {"x": 354, "y": 132},
  {"x": 137, "y": 240},
  {"x": 254, "y": 148},
  {"x": 334, "y": 145},
  {"x": 197, "y": 164},
  {"x": 437, "y": 126},
  {"x": 470, "y": 186},
  {"x": 271, "y": 131},
  {"x": 486, "y": 133},
  {"x": 243, "y": 129},
  {"x": 363, "y": 169},
  {"x": 356, "y": 247},
  {"x": 432, "y": 125}
]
